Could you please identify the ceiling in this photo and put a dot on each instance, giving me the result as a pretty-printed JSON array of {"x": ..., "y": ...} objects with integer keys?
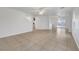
[{"x": 44, "y": 11}]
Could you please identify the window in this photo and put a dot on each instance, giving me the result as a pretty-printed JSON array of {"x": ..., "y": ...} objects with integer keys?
[{"x": 61, "y": 22}]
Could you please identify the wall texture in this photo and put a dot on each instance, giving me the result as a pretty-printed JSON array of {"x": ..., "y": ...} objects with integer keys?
[{"x": 13, "y": 22}]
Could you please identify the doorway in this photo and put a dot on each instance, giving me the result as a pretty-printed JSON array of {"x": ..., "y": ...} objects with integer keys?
[{"x": 61, "y": 26}]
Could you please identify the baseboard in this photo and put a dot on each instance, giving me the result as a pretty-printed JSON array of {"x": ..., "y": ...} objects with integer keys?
[
  {"x": 77, "y": 43},
  {"x": 8, "y": 35}
]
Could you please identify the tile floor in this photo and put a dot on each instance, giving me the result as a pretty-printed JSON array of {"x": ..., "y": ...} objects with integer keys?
[{"x": 39, "y": 40}]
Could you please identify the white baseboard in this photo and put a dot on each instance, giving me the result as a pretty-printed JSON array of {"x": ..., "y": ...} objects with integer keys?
[
  {"x": 12, "y": 34},
  {"x": 75, "y": 38}
]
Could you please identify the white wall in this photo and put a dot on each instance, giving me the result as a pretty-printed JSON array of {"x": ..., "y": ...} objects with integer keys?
[
  {"x": 75, "y": 26},
  {"x": 42, "y": 22},
  {"x": 68, "y": 18},
  {"x": 13, "y": 22},
  {"x": 52, "y": 21}
]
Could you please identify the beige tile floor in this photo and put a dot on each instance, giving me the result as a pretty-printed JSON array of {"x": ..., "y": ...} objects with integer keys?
[{"x": 39, "y": 40}]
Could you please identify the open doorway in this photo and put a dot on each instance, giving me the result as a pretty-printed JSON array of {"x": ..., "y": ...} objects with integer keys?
[
  {"x": 61, "y": 26},
  {"x": 61, "y": 22}
]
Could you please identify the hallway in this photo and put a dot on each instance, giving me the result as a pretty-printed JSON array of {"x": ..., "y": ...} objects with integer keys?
[{"x": 39, "y": 40}]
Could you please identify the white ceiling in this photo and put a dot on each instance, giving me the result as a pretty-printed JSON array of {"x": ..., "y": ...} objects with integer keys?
[{"x": 48, "y": 11}]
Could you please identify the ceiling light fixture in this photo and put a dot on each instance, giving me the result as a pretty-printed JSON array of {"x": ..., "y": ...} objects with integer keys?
[{"x": 42, "y": 12}]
